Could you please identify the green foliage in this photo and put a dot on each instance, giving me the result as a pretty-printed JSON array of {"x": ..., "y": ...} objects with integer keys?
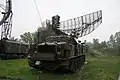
[
  {"x": 114, "y": 42},
  {"x": 27, "y": 37},
  {"x": 103, "y": 45},
  {"x": 13, "y": 39},
  {"x": 38, "y": 36},
  {"x": 111, "y": 41},
  {"x": 96, "y": 44},
  {"x": 111, "y": 47}
]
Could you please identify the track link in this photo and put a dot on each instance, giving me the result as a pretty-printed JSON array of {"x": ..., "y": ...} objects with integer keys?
[{"x": 76, "y": 64}]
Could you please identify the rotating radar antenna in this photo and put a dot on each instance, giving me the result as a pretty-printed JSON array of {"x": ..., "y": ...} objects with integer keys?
[
  {"x": 6, "y": 21},
  {"x": 77, "y": 27}
]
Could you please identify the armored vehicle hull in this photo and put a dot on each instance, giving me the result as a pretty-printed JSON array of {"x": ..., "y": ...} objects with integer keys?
[
  {"x": 62, "y": 53},
  {"x": 72, "y": 64}
]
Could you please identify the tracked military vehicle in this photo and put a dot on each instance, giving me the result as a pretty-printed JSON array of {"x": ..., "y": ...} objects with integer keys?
[
  {"x": 63, "y": 49},
  {"x": 58, "y": 51}
]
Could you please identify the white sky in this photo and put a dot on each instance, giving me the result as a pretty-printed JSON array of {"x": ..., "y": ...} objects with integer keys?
[{"x": 26, "y": 18}]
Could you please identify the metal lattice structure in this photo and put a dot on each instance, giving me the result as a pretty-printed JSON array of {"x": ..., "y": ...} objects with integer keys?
[
  {"x": 6, "y": 21},
  {"x": 81, "y": 26}
]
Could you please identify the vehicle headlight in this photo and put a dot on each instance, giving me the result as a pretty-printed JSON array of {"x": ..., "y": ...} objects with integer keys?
[{"x": 29, "y": 56}]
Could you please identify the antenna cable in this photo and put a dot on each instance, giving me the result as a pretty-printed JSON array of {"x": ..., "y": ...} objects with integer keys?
[{"x": 38, "y": 12}]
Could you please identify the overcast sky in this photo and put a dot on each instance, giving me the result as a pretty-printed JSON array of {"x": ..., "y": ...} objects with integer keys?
[{"x": 26, "y": 18}]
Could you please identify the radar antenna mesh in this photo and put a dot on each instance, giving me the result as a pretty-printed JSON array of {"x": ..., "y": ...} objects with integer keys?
[{"x": 81, "y": 26}]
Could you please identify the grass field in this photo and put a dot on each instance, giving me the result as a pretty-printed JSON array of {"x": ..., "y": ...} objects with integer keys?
[{"x": 97, "y": 68}]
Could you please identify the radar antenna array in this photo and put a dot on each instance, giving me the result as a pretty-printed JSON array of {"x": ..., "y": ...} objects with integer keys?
[{"x": 79, "y": 26}]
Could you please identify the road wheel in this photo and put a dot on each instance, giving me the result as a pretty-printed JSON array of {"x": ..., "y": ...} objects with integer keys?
[
  {"x": 73, "y": 66},
  {"x": 82, "y": 60}
]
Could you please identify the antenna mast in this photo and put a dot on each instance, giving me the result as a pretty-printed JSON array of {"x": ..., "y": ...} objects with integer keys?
[{"x": 6, "y": 21}]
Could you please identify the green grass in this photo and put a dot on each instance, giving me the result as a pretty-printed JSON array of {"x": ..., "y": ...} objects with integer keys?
[
  {"x": 102, "y": 68},
  {"x": 98, "y": 68}
]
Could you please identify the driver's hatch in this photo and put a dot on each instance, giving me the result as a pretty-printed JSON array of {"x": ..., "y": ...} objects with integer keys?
[{"x": 46, "y": 52}]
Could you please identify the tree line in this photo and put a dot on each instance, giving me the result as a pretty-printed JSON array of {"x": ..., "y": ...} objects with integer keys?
[{"x": 112, "y": 46}]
